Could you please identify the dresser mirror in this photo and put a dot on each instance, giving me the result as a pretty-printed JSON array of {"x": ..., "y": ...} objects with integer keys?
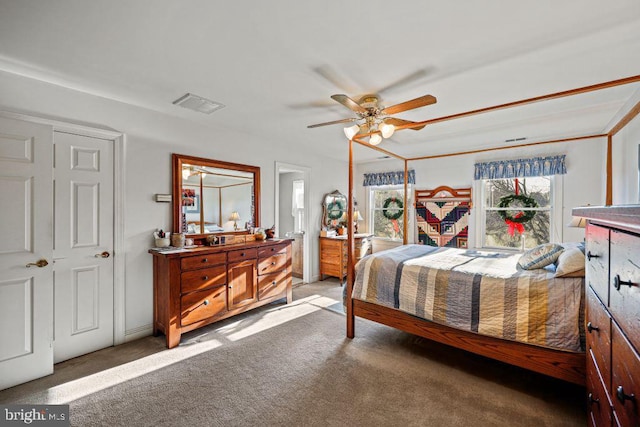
[
  {"x": 334, "y": 210},
  {"x": 212, "y": 196}
]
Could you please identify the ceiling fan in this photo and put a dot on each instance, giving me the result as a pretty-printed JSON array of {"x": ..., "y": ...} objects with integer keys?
[{"x": 375, "y": 117}]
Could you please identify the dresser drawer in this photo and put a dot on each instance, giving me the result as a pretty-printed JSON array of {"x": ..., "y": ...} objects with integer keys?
[
  {"x": 202, "y": 261},
  {"x": 625, "y": 380},
  {"x": 624, "y": 290},
  {"x": 273, "y": 263},
  {"x": 204, "y": 278},
  {"x": 274, "y": 284},
  {"x": 598, "y": 403},
  {"x": 598, "y": 335},
  {"x": 242, "y": 254},
  {"x": 202, "y": 305},
  {"x": 272, "y": 250},
  {"x": 597, "y": 268}
]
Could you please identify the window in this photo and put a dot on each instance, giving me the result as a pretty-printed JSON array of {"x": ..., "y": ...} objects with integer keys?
[
  {"x": 536, "y": 231},
  {"x": 297, "y": 205},
  {"x": 379, "y": 225}
]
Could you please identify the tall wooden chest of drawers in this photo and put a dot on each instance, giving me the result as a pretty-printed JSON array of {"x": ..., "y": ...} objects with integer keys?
[
  {"x": 333, "y": 254},
  {"x": 613, "y": 314},
  {"x": 195, "y": 287}
]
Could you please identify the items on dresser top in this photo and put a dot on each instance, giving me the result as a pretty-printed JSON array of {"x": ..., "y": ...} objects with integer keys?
[
  {"x": 195, "y": 287},
  {"x": 613, "y": 314}
]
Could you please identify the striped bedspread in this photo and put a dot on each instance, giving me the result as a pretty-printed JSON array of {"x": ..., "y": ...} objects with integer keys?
[{"x": 482, "y": 292}]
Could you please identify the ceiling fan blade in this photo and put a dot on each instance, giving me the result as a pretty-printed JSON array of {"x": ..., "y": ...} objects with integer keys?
[
  {"x": 400, "y": 122},
  {"x": 410, "y": 105},
  {"x": 416, "y": 75},
  {"x": 349, "y": 103},
  {"x": 335, "y": 122},
  {"x": 329, "y": 74}
]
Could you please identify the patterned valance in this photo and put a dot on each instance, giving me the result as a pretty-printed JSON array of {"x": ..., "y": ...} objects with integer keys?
[
  {"x": 536, "y": 166},
  {"x": 388, "y": 178}
]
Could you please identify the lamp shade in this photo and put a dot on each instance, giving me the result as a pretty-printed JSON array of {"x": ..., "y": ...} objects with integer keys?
[
  {"x": 357, "y": 216},
  {"x": 351, "y": 131},
  {"x": 234, "y": 216},
  {"x": 386, "y": 129}
]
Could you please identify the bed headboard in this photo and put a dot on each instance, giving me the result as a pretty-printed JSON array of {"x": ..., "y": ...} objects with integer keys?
[{"x": 442, "y": 216}]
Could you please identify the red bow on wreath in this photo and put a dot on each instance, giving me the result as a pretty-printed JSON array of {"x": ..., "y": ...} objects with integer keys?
[{"x": 515, "y": 226}]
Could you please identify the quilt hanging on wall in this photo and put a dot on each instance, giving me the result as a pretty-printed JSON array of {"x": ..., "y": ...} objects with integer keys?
[{"x": 442, "y": 216}]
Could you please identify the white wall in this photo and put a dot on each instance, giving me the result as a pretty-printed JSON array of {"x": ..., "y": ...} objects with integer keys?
[
  {"x": 584, "y": 183},
  {"x": 625, "y": 163},
  {"x": 151, "y": 138}
]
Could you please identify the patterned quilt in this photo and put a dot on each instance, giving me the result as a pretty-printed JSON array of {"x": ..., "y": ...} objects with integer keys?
[{"x": 481, "y": 292}]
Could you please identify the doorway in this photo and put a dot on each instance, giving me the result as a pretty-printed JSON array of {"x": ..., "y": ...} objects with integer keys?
[{"x": 292, "y": 215}]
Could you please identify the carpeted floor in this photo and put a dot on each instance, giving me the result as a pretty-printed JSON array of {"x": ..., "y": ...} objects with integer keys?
[{"x": 292, "y": 365}]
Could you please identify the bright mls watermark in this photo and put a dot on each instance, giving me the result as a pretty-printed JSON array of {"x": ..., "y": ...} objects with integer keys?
[{"x": 36, "y": 415}]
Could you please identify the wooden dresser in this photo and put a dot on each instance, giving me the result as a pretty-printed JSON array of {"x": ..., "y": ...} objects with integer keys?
[
  {"x": 613, "y": 314},
  {"x": 333, "y": 254},
  {"x": 195, "y": 287}
]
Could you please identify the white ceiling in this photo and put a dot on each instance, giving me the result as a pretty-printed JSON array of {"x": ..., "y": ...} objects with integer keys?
[{"x": 274, "y": 64}]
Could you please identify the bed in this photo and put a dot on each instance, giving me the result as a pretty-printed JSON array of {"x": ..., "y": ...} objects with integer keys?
[{"x": 478, "y": 301}]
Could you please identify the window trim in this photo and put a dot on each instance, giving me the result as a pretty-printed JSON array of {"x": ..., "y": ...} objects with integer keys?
[
  {"x": 370, "y": 216},
  {"x": 556, "y": 212}
]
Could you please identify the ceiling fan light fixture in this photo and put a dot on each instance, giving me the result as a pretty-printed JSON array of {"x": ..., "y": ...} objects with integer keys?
[
  {"x": 386, "y": 129},
  {"x": 375, "y": 139},
  {"x": 351, "y": 131}
]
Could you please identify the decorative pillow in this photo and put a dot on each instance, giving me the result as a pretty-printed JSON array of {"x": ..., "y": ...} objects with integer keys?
[
  {"x": 570, "y": 261},
  {"x": 540, "y": 256}
]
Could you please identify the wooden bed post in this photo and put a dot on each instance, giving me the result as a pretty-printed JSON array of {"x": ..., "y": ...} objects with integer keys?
[
  {"x": 350, "y": 250},
  {"x": 405, "y": 213}
]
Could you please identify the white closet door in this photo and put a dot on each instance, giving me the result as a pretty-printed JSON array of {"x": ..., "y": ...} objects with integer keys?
[
  {"x": 83, "y": 246},
  {"x": 26, "y": 237}
]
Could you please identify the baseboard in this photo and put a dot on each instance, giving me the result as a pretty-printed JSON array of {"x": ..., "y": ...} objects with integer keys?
[{"x": 137, "y": 333}]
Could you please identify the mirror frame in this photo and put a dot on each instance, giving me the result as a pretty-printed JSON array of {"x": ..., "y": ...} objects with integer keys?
[
  {"x": 325, "y": 210},
  {"x": 178, "y": 160}
]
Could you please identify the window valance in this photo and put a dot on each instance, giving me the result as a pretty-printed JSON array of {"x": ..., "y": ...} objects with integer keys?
[
  {"x": 388, "y": 178},
  {"x": 536, "y": 166}
]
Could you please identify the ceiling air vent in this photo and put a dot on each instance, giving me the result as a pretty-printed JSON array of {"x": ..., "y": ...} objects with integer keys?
[{"x": 198, "y": 103}]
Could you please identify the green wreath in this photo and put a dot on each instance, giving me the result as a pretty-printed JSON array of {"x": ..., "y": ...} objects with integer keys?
[
  {"x": 335, "y": 209},
  {"x": 522, "y": 216},
  {"x": 388, "y": 209}
]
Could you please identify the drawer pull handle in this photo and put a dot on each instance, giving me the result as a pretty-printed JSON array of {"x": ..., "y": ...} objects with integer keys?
[
  {"x": 622, "y": 397},
  {"x": 590, "y": 255},
  {"x": 617, "y": 282},
  {"x": 591, "y": 399},
  {"x": 205, "y": 278},
  {"x": 274, "y": 283},
  {"x": 242, "y": 254},
  {"x": 590, "y": 327},
  {"x": 204, "y": 260},
  {"x": 273, "y": 263},
  {"x": 205, "y": 302}
]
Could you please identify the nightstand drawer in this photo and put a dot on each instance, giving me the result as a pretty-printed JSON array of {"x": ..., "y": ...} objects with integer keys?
[
  {"x": 202, "y": 261},
  {"x": 598, "y": 334},
  {"x": 202, "y": 305},
  {"x": 204, "y": 278}
]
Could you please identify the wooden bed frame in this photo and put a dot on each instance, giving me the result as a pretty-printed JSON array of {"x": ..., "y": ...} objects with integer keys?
[{"x": 565, "y": 365}]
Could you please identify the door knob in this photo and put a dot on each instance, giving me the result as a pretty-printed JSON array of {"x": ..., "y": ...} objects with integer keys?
[
  {"x": 104, "y": 254},
  {"x": 40, "y": 263}
]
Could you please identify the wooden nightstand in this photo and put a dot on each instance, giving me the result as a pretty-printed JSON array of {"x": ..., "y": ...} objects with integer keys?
[{"x": 333, "y": 254}]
